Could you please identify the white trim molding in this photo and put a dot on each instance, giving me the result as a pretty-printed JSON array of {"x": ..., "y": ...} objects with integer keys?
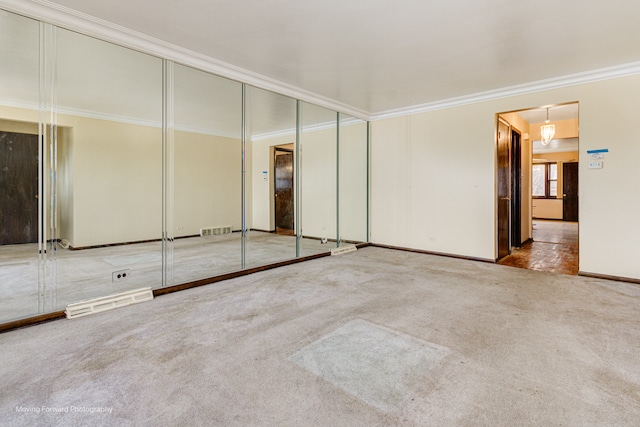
[
  {"x": 71, "y": 19},
  {"x": 56, "y": 14},
  {"x": 537, "y": 86}
]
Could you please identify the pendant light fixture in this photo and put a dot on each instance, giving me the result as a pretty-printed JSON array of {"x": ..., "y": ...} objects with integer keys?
[{"x": 547, "y": 131}]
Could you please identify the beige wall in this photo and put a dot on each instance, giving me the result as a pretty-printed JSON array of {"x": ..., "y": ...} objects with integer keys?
[
  {"x": 433, "y": 176},
  {"x": 432, "y": 181},
  {"x": 117, "y": 181},
  {"x": 353, "y": 182},
  {"x": 17, "y": 126},
  {"x": 564, "y": 129},
  {"x": 318, "y": 178},
  {"x": 547, "y": 208},
  {"x": 110, "y": 179},
  {"x": 65, "y": 185},
  {"x": 207, "y": 183}
]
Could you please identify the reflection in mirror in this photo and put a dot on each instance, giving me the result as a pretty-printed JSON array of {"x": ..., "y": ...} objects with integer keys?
[
  {"x": 353, "y": 181},
  {"x": 83, "y": 172},
  {"x": 269, "y": 184},
  {"x": 207, "y": 175},
  {"x": 318, "y": 176},
  {"x": 20, "y": 159},
  {"x": 109, "y": 168}
]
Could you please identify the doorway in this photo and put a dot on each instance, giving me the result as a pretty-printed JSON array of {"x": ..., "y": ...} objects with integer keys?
[
  {"x": 509, "y": 190},
  {"x": 504, "y": 190},
  {"x": 19, "y": 188},
  {"x": 537, "y": 191},
  {"x": 283, "y": 191}
]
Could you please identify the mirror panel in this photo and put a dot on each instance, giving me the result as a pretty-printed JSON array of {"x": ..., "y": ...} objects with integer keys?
[
  {"x": 108, "y": 168},
  {"x": 271, "y": 136},
  {"x": 353, "y": 180},
  {"x": 20, "y": 161},
  {"x": 318, "y": 177},
  {"x": 207, "y": 175},
  {"x": 105, "y": 165}
]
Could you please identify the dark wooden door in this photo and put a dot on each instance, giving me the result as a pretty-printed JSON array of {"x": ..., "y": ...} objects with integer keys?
[
  {"x": 504, "y": 187},
  {"x": 516, "y": 190},
  {"x": 284, "y": 191},
  {"x": 570, "y": 191},
  {"x": 18, "y": 188}
]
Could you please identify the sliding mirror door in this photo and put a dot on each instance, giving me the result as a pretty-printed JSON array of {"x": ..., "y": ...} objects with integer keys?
[
  {"x": 120, "y": 170},
  {"x": 318, "y": 178},
  {"x": 21, "y": 161},
  {"x": 206, "y": 172},
  {"x": 352, "y": 179},
  {"x": 269, "y": 179},
  {"x": 108, "y": 110}
]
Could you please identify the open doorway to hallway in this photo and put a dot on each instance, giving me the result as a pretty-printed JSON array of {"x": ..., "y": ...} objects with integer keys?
[{"x": 537, "y": 189}]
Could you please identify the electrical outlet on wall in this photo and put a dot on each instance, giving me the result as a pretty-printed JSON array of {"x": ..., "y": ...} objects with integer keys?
[{"x": 120, "y": 275}]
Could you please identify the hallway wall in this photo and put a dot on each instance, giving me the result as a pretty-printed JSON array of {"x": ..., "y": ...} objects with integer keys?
[{"x": 433, "y": 176}]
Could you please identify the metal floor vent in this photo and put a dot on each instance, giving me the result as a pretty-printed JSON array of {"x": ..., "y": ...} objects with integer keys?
[
  {"x": 97, "y": 305},
  {"x": 343, "y": 250},
  {"x": 215, "y": 231}
]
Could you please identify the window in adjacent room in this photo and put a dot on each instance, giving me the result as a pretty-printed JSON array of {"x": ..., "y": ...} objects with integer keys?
[{"x": 545, "y": 180}]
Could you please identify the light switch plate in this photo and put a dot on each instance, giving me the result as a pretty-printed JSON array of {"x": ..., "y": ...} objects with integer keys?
[{"x": 595, "y": 164}]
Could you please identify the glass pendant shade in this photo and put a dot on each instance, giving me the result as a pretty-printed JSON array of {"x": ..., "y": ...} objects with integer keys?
[{"x": 547, "y": 132}]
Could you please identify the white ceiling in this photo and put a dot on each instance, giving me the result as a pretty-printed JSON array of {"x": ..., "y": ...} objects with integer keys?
[
  {"x": 102, "y": 80},
  {"x": 379, "y": 55},
  {"x": 376, "y": 55}
]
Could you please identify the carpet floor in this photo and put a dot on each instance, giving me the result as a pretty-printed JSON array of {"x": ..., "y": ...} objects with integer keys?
[{"x": 375, "y": 337}]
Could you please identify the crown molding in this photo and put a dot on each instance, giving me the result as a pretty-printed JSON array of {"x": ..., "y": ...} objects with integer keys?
[
  {"x": 537, "y": 86},
  {"x": 58, "y": 15},
  {"x": 52, "y": 13},
  {"x": 34, "y": 107},
  {"x": 292, "y": 131}
]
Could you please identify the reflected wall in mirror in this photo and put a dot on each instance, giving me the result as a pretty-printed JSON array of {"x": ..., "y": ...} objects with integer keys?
[
  {"x": 134, "y": 171},
  {"x": 271, "y": 134},
  {"x": 206, "y": 220},
  {"x": 108, "y": 168},
  {"x": 318, "y": 177},
  {"x": 353, "y": 182},
  {"x": 21, "y": 157}
]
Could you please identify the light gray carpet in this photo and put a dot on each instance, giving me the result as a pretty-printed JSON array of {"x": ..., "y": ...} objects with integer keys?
[
  {"x": 377, "y": 365},
  {"x": 467, "y": 344},
  {"x": 83, "y": 274}
]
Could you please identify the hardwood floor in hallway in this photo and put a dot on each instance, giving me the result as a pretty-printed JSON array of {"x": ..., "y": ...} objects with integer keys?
[{"x": 554, "y": 248}]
